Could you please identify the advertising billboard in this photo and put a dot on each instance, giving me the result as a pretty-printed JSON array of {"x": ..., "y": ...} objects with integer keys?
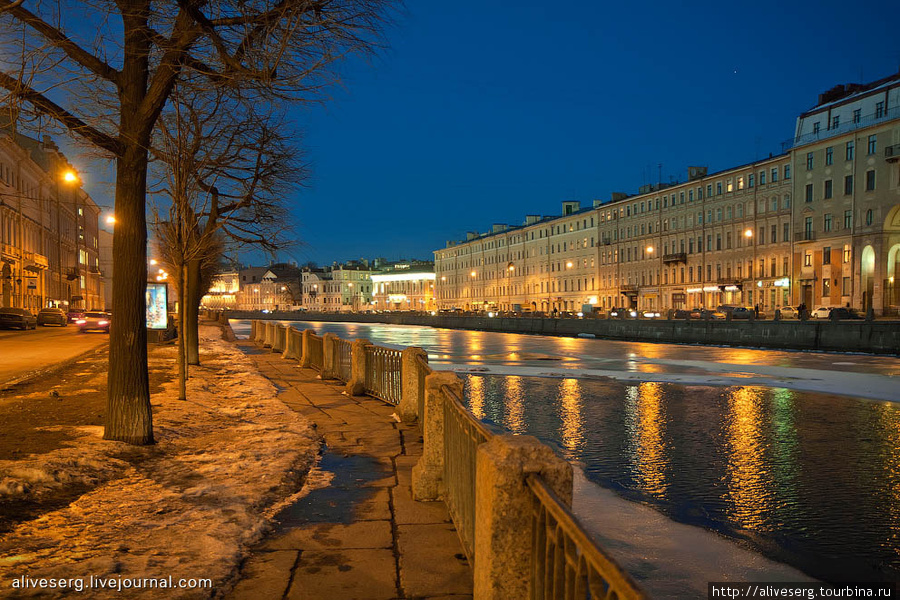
[{"x": 157, "y": 317}]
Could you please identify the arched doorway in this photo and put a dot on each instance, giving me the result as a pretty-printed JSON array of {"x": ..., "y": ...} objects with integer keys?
[
  {"x": 892, "y": 279},
  {"x": 867, "y": 276}
]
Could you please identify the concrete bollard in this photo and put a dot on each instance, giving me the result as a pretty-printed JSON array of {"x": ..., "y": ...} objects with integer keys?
[
  {"x": 292, "y": 344},
  {"x": 304, "y": 348},
  {"x": 409, "y": 377},
  {"x": 268, "y": 340},
  {"x": 428, "y": 474},
  {"x": 503, "y": 511},
  {"x": 328, "y": 356},
  {"x": 357, "y": 384},
  {"x": 253, "y": 330}
]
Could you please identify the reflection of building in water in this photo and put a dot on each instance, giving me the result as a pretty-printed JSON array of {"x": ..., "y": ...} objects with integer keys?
[
  {"x": 571, "y": 420},
  {"x": 515, "y": 405},
  {"x": 748, "y": 476},
  {"x": 889, "y": 422},
  {"x": 786, "y": 463},
  {"x": 645, "y": 419},
  {"x": 475, "y": 395}
]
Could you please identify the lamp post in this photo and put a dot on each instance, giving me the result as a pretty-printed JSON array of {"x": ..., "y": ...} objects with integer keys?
[{"x": 510, "y": 268}]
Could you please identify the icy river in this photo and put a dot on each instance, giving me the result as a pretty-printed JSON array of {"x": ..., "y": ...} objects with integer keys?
[{"x": 791, "y": 456}]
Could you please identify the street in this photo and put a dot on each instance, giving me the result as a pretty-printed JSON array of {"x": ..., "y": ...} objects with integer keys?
[{"x": 24, "y": 352}]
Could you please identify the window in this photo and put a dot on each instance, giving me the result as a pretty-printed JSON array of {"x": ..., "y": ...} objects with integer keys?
[
  {"x": 709, "y": 190},
  {"x": 816, "y": 127},
  {"x": 870, "y": 180},
  {"x": 869, "y": 217},
  {"x": 829, "y": 188},
  {"x": 786, "y": 233},
  {"x": 774, "y": 235},
  {"x": 807, "y": 259},
  {"x": 826, "y": 287},
  {"x": 761, "y": 239},
  {"x": 690, "y": 195},
  {"x": 810, "y": 161},
  {"x": 718, "y": 241},
  {"x": 826, "y": 255},
  {"x": 740, "y": 183},
  {"x": 751, "y": 180},
  {"x": 848, "y": 219},
  {"x": 829, "y": 155},
  {"x": 849, "y": 150},
  {"x": 848, "y": 185},
  {"x": 879, "y": 110},
  {"x": 835, "y": 121},
  {"x": 787, "y": 171},
  {"x": 718, "y": 188},
  {"x": 828, "y": 221},
  {"x": 729, "y": 186},
  {"x": 762, "y": 178},
  {"x": 846, "y": 253},
  {"x": 808, "y": 228},
  {"x": 845, "y": 286},
  {"x": 872, "y": 146},
  {"x": 857, "y": 114},
  {"x": 809, "y": 192},
  {"x": 774, "y": 174}
]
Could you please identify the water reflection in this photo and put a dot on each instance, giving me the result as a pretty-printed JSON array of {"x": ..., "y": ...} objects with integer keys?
[
  {"x": 515, "y": 405},
  {"x": 645, "y": 424},
  {"x": 475, "y": 396},
  {"x": 749, "y": 479},
  {"x": 571, "y": 420}
]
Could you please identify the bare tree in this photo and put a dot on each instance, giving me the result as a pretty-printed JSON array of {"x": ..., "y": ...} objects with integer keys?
[{"x": 110, "y": 88}]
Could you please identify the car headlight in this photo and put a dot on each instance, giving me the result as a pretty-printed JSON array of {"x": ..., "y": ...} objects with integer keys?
[
  {"x": 633, "y": 313},
  {"x": 80, "y": 321},
  {"x": 103, "y": 323}
]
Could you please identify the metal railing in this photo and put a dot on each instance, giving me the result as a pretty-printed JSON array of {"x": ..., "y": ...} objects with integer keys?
[
  {"x": 383, "y": 373},
  {"x": 423, "y": 370},
  {"x": 463, "y": 433},
  {"x": 342, "y": 352},
  {"x": 316, "y": 352},
  {"x": 565, "y": 562}
]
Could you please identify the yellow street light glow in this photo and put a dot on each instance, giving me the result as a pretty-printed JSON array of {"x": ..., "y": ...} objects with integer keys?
[
  {"x": 443, "y": 278},
  {"x": 649, "y": 249},
  {"x": 472, "y": 273},
  {"x": 569, "y": 265},
  {"x": 152, "y": 261},
  {"x": 748, "y": 233},
  {"x": 70, "y": 176},
  {"x": 512, "y": 268},
  {"x": 110, "y": 220}
]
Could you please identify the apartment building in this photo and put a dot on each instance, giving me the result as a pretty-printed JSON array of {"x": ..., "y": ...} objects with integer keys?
[
  {"x": 49, "y": 229},
  {"x": 404, "y": 286},
  {"x": 738, "y": 236}
]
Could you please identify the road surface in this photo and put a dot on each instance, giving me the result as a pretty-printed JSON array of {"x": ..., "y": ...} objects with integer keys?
[{"x": 25, "y": 353}]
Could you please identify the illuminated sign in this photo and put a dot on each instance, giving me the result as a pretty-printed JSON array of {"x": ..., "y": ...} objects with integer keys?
[
  {"x": 157, "y": 300},
  {"x": 732, "y": 288},
  {"x": 711, "y": 288},
  {"x": 785, "y": 282},
  {"x": 403, "y": 277},
  {"x": 694, "y": 290},
  {"x": 397, "y": 298}
]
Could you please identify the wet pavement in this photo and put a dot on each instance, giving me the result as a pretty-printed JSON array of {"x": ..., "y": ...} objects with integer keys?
[{"x": 353, "y": 531}]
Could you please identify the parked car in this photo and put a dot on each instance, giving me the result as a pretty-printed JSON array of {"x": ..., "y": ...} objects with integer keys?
[
  {"x": 681, "y": 313},
  {"x": 74, "y": 314},
  {"x": 790, "y": 312},
  {"x": 17, "y": 317},
  {"x": 742, "y": 312},
  {"x": 841, "y": 314},
  {"x": 703, "y": 313},
  {"x": 52, "y": 316},
  {"x": 623, "y": 313},
  {"x": 820, "y": 312},
  {"x": 93, "y": 321},
  {"x": 651, "y": 314}
]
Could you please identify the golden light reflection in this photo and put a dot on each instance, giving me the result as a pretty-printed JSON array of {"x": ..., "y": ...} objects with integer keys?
[
  {"x": 515, "y": 405},
  {"x": 747, "y": 473},
  {"x": 651, "y": 457},
  {"x": 572, "y": 423},
  {"x": 889, "y": 418},
  {"x": 476, "y": 396}
]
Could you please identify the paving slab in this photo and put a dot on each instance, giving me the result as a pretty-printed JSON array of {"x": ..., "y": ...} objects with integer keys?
[{"x": 355, "y": 532}]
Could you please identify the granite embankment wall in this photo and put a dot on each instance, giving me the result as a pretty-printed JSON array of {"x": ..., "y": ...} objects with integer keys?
[{"x": 878, "y": 337}]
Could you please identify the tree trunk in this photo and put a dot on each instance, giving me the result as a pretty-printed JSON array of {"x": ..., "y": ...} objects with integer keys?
[
  {"x": 128, "y": 414},
  {"x": 191, "y": 312},
  {"x": 182, "y": 347}
]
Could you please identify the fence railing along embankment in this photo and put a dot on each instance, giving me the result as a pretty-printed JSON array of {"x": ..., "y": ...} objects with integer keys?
[{"x": 509, "y": 496}]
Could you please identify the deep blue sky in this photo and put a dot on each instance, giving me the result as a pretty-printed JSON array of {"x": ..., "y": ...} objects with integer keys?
[{"x": 480, "y": 113}]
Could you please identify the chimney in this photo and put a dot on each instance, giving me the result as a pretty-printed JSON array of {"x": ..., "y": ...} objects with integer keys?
[
  {"x": 499, "y": 227},
  {"x": 532, "y": 219},
  {"x": 570, "y": 207}
]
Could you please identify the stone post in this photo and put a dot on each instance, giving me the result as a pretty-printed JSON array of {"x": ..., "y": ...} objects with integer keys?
[
  {"x": 253, "y": 330},
  {"x": 270, "y": 334},
  {"x": 409, "y": 377},
  {"x": 304, "y": 345},
  {"x": 328, "y": 357},
  {"x": 503, "y": 511},
  {"x": 428, "y": 474},
  {"x": 357, "y": 384},
  {"x": 260, "y": 331}
]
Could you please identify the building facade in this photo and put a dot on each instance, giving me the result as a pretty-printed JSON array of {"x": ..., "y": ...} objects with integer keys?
[
  {"x": 738, "y": 236},
  {"x": 404, "y": 286},
  {"x": 49, "y": 233}
]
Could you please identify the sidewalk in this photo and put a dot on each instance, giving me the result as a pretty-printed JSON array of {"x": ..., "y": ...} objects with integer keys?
[{"x": 354, "y": 532}]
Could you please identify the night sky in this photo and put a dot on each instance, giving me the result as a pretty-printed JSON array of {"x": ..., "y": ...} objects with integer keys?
[{"x": 480, "y": 113}]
